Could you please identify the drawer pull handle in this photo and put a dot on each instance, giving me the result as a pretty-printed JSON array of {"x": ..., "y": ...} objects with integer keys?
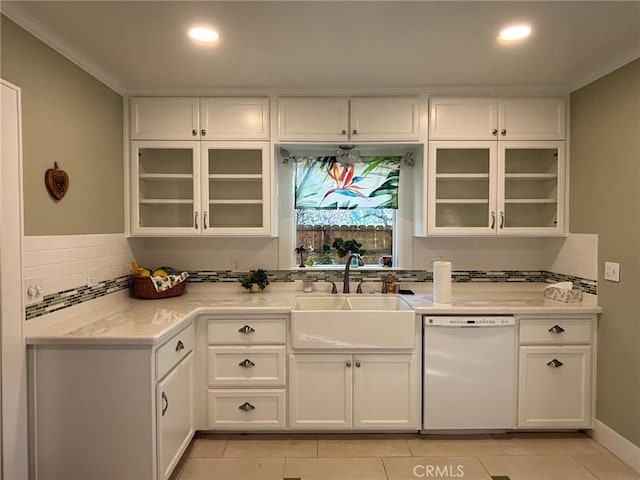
[
  {"x": 246, "y": 363},
  {"x": 555, "y": 363},
  {"x": 179, "y": 346},
  {"x": 246, "y": 407},
  {"x": 165, "y": 403},
  {"x": 556, "y": 329},
  {"x": 246, "y": 329}
]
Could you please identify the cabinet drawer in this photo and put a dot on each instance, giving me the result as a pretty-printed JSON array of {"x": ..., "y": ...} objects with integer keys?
[
  {"x": 175, "y": 349},
  {"x": 246, "y": 331},
  {"x": 246, "y": 366},
  {"x": 556, "y": 330},
  {"x": 247, "y": 409}
]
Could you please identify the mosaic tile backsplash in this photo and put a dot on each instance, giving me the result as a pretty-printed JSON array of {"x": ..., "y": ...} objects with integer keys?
[{"x": 68, "y": 298}]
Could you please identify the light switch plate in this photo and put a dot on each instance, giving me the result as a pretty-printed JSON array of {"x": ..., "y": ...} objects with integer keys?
[{"x": 612, "y": 271}]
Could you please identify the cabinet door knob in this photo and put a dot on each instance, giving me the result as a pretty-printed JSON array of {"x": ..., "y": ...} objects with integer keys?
[
  {"x": 179, "y": 346},
  {"x": 556, "y": 329},
  {"x": 195, "y": 220},
  {"x": 203, "y": 132},
  {"x": 343, "y": 132},
  {"x": 555, "y": 363},
  {"x": 494, "y": 132},
  {"x": 246, "y": 407},
  {"x": 246, "y": 329},
  {"x": 165, "y": 403},
  {"x": 355, "y": 132},
  {"x": 358, "y": 364},
  {"x": 348, "y": 364},
  {"x": 493, "y": 220},
  {"x": 246, "y": 363},
  {"x": 503, "y": 132},
  {"x": 501, "y": 219},
  {"x": 194, "y": 132}
]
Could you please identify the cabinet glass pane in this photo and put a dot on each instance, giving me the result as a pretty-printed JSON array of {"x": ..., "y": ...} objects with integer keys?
[
  {"x": 233, "y": 215},
  {"x": 165, "y": 187},
  {"x": 530, "y": 215},
  {"x": 232, "y": 161},
  {"x": 462, "y": 215},
  {"x": 165, "y": 160},
  {"x": 166, "y": 215},
  {"x": 531, "y": 187},
  {"x": 235, "y": 189},
  {"x": 462, "y": 187}
]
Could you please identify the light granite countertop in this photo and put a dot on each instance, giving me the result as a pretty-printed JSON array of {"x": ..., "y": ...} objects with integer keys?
[{"x": 120, "y": 320}]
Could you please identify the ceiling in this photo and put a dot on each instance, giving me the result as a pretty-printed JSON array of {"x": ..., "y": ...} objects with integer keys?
[{"x": 140, "y": 47}]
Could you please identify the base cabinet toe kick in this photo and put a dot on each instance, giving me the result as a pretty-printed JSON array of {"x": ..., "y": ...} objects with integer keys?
[{"x": 130, "y": 411}]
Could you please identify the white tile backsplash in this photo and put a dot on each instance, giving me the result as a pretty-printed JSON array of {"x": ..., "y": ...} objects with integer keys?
[
  {"x": 62, "y": 261},
  {"x": 575, "y": 255}
]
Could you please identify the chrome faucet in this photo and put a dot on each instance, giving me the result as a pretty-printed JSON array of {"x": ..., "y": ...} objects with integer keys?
[{"x": 345, "y": 286}]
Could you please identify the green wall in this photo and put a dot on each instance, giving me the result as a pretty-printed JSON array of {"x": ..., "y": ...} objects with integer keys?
[
  {"x": 71, "y": 118},
  {"x": 605, "y": 199}
]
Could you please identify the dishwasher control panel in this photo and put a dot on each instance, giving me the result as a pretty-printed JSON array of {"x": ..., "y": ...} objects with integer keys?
[{"x": 468, "y": 321}]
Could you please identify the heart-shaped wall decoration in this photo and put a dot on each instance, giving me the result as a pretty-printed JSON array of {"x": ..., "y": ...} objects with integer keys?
[{"x": 57, "y": 181}]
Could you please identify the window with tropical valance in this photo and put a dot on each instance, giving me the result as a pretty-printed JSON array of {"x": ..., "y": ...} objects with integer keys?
[{"x": 326, "y": 184}]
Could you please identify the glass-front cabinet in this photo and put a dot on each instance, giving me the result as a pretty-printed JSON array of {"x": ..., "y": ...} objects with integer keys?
[
  {"x": 496, "y": 188},
  {"x": 200, "y": 188}
]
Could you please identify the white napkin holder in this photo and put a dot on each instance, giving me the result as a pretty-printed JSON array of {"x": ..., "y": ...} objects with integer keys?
[{"x": 563, "y": 292}]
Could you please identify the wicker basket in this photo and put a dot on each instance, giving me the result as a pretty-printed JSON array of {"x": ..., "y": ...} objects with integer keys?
[{"x": 142, "y": 287}]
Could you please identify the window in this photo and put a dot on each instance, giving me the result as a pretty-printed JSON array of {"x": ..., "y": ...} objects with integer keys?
[
  {"x": 314, "y": 215},
  {"x": 341, "y": 202}
]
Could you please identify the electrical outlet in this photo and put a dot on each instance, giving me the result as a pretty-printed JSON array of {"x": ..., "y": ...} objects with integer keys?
[
  {"x": 33, "y": 290},
  {"x": 612, "y": 271},
  {"x": 92, "y": 277}
]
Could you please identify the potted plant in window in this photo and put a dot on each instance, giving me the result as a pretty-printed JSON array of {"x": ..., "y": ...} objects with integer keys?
[
  {"x": 256, "y": 281},
  {"x": 347, "y": 247}
]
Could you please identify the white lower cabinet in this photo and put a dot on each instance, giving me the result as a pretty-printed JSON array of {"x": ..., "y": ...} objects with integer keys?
[
  {"x": 556, "y": 372},
  {"x": 246, "y": 372},
  {"x": 555, "y": 387},
  {"x": 174, "y": 414},
  {"x": 359, "y": 392},
  {"x": 111, "y": 412}
]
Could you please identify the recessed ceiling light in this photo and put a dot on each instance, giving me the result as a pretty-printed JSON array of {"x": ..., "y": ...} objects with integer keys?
[
  {"x": 203, "y": 34},
  {"x": 515, "y": 32}
]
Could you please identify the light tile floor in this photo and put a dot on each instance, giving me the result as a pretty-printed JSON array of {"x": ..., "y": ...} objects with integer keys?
[{"x": 522, "y": 456}]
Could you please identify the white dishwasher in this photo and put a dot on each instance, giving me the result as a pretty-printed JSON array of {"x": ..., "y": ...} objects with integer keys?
[{"x": 469, "y": 372}]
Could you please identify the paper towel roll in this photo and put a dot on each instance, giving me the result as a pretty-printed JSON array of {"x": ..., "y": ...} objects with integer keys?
[{"x": 442, "y": 282}]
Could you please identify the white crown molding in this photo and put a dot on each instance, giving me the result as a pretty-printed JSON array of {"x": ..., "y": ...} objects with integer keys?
[
  {"x": 607, "y": 69},
  {"x": 33, "y": 26}
]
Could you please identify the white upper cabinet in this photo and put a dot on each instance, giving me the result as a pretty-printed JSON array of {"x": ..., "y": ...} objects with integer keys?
[
  {"x": 496, "y": 188},
  {"x": 234, "y": 118},
  {"x": 164, "y": 118},
  {"x": 463, "y": 119},
  {"x": 384, "y": 118},
  {"x": 339, "y": 119},
  {"x": 313, "y": 118},
  {"x": 471, "y": 118},
  {"x": 192, "y": 118}
]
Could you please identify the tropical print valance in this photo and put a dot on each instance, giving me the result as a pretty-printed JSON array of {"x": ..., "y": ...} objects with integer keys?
[{"x": 325, "y": 183}]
